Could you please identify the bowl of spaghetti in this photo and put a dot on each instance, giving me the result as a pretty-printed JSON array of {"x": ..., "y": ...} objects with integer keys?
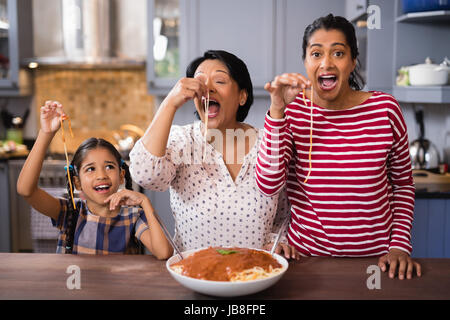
[{"x": 227, "y": 271}]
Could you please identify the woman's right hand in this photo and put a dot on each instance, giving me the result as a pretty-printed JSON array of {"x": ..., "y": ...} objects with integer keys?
[
  {"x": 283, "y": 90},
  {"x": 51, "y": 114},
  {"x": 184, "y": 90}
]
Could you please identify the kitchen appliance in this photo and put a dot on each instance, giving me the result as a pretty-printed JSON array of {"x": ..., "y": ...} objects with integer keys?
[
  {"x": 30, "y": 230},
  {"x": 429, "y": 74},
  {"x": 126, "y": 138},
  {"x": 424, "y": 154},
  {"x": 86, "y": 30}
]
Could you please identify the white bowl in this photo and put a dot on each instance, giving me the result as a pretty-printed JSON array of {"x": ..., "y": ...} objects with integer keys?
[{"x": 225, "y": 288}]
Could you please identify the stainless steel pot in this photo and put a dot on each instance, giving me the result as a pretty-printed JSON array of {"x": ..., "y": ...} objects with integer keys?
[
  {"x": 126, "y": 138},
  {"x": 424, "y": 154}
]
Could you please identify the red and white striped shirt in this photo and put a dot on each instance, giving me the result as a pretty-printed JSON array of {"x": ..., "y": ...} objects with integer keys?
[{"x": 359, "y": 197}]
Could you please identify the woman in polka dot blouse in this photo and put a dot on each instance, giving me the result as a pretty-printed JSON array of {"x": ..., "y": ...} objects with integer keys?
[{"x": 211, "y": 173}]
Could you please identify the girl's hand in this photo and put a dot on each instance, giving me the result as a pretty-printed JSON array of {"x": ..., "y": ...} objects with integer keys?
[
  {"x": 283, "y": 90},
  {"x": 399, "y": 258},
  {"x": 184, "y": 90},
  {"x": 51, "y": 114},
  {"x": 126, "y": 197},
  {"x": 289, "y": 251}
]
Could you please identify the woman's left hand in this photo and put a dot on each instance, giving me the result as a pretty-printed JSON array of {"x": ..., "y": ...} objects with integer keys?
[
  {"x": 125, "y": 197},
  {"x": 398, "y": 258}
]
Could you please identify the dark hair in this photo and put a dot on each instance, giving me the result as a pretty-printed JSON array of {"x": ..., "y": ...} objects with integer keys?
[
  {"x": 86, "y": 146},
  {"x": 331, "y": 22},
  {"x": 238, "y": 71}
]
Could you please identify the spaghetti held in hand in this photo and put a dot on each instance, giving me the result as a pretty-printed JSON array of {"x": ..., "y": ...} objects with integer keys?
[{"x": 228, "y": 264}]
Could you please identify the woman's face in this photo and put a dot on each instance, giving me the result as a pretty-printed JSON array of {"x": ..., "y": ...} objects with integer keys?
[
  {"x": 225, "y": 97},
  {"x": 328, "y": 64},
  {"x": 99, "y": 175}
]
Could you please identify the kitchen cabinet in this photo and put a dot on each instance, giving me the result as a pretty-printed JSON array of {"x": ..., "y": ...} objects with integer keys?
[
  {"x": 16, "y": 44},
  {"x": 355, "y": 9},
  {"x": 416, "y": 36},
  {"x": 292, "y": 17},
  {"x": 379, "y": 51},
  {"x": 5, "y": 241},
  {"x": 406, "y": 39},
  {"x": 165, "y": 45},
  {"x": 265, "y": 34},
  {"x": 244, "y": 28},
  {"x": 431, "y": 228}
]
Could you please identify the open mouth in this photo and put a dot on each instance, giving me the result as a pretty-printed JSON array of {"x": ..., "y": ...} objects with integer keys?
[
  {"x": 213, "y": 108},
  {"x": 327, "y": 82},
  {"x": 103, "y": 188}
]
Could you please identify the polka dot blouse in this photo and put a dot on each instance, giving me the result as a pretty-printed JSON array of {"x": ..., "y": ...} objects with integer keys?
[{"x": 210, "y": 209}]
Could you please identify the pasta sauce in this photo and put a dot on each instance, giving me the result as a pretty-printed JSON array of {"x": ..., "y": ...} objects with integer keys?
[{"x": 228, "y": 264}]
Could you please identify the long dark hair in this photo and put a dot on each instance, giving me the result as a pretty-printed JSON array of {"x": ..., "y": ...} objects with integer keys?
[
  {"x": 331, "y": 22},
  {"x": 238, "y": 72},
  {"x": 78, "y": 157}
]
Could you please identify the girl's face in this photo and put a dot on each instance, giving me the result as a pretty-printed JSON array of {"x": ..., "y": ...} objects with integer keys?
[
  {"x": 225, "y": 97},
  {"x": 99, "y": 175},
  {"x": 328, "y": 64}
]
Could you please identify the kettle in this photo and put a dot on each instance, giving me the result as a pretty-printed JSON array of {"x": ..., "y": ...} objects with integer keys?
[
  {"x": 424, "y": 154},
  {"x": 126, "y": 139}
]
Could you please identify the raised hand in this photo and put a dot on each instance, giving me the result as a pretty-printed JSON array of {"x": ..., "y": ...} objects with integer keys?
[
  {"x": 51, "y": 114},
  {"x": 283, "y": 90},
  {"x": 184, "y": 90}
]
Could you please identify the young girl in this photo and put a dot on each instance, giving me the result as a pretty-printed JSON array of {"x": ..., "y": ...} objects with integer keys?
[{"x": 108, "y": 220}]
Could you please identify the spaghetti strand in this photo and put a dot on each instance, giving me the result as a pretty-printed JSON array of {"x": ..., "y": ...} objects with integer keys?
[
  {"x": 206, "y": 125},
  {"x": 310, "y": 131},
  {"x": 67, "y": 156}
]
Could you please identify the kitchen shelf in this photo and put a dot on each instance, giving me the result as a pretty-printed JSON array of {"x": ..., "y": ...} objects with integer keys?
[
  {"x": 426, "y": 16},
  {"x": 422, "y": 94}
]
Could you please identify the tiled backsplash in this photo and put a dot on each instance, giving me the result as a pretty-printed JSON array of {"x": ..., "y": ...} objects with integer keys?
[{"x": 98, "y": 101}]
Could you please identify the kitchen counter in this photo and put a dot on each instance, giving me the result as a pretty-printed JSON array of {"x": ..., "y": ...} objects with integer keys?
[
  {"x": 433, "y": 193},
  {"x": 431, "y": 185},
  {"x": 43, "y": 276},
  {"x": 14, "y": 155}
]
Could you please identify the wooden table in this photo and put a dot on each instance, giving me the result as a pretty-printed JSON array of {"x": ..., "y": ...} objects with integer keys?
[{"x": 44, "y": 276}]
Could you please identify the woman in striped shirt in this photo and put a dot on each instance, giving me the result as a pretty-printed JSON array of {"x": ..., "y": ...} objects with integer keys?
[{"x": 344, "y": 154}]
